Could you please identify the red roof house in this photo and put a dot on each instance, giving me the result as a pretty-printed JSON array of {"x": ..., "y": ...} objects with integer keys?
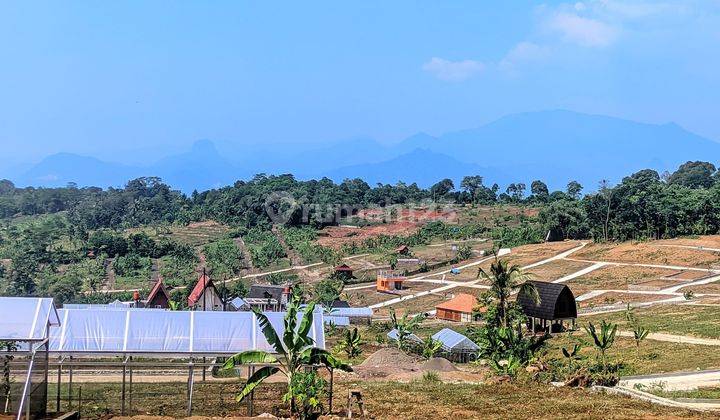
[
  {"x": 344, "y": 272},
  {"x": 204, "y": 295},
  {"x": 158, "y": 297},
  {"x": 459, "y": 308},
  {"x": 402, "y": 250}
]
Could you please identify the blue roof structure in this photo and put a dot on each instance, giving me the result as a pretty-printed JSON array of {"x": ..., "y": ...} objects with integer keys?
[{"x": 454, "y": 341}]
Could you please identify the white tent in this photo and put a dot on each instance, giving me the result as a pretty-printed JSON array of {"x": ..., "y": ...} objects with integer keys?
[
  {"x": 166, "y": 333},
  {"x": 26, "y": 319}
]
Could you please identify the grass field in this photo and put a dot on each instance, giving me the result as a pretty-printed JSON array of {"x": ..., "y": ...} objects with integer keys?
[
  {"x": 383, "y": 400},
  {"x": 695, "y": 320}
]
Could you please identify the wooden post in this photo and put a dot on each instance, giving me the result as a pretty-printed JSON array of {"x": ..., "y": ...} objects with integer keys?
[
  {"x": 191, "y": 382},
  {"x": 70, "y": 378},
  {"x": 59, "y": 380},
  {"x": 251, "y": 371},
  {"x": 130, "y": 405},
  {"x": 330, "y": 395},
  {"x": 122, "y": 394}
]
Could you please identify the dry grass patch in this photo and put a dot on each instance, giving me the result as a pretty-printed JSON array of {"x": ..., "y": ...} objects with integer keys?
[
  {"x": 648, "y": 253},
  {"x": 620, "y": 277},
  {"x": 556, "y": 269}
]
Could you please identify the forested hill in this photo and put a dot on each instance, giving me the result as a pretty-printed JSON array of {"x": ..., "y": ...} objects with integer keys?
[{"x": 643, "y": 205}]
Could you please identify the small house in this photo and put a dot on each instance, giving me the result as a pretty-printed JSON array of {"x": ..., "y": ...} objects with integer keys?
[
  {"x": 459, "y": 308},
  {"x": 343, "y": 272},
  {"x": 556, "y": 306},
  {"x": 388, "y": 281},
  {"x": 402, "y": 250},
  {"x": 267, "y": 297},
  {"x": 158, "y": 297},
  {"x": 205, "y": 296}
]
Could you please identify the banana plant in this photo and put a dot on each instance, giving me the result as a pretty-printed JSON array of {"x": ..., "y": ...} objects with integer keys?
[
  {"x": 639, "y": 334},
  {"x": 293, "y": 350},
  {"x": 431, "y": 347},
  {"x": 351, "y": 343},
  {"x": 603, "y": 339},
  {"x": 404, "y": 326},
  {"x": 572, "y": 355}
]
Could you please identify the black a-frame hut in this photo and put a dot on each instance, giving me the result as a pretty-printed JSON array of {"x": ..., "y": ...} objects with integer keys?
[{"x": 556, "y": 306}]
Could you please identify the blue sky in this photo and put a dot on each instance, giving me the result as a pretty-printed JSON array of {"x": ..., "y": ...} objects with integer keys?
[{"x": 133, "y": 81}]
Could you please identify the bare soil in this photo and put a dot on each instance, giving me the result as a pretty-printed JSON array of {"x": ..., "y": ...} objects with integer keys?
[{"x": 648, "y": 253}]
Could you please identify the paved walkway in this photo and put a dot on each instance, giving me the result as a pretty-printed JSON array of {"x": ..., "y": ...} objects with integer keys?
[
  {"x": 699, "y": 248},
  {"x": 470, "y": 283},
  {"x": 673, "y": 338},
  {"x": 675, "y": 381}
]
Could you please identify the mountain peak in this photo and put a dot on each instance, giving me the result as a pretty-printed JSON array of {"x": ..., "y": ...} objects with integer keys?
[{"x": 204, "y": 146}]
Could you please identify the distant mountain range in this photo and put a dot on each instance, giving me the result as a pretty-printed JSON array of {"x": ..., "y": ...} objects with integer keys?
[{"x": 554, "y": 146}]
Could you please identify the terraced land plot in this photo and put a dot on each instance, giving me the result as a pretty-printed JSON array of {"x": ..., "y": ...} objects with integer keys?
[
  {"x": 621, "y": 277},
  {"x": 556, "y": 269},
  {"x": 650, "y": 357},
  {"x": 648, "y": 253},
  {"x": 614, "y": 298},
  {"x": 194, "y": 234}
]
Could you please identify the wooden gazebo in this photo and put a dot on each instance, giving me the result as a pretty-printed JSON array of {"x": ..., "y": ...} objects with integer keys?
[{"x": 556, "y": 306}]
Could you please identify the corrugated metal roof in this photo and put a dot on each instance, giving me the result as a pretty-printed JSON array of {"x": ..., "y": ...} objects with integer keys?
[{"x": 453, "y": 340}]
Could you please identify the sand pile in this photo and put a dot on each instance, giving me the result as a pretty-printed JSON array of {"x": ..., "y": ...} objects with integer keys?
[
  {"x": 391, "y": 358},
  {"x": 438, "y": 364}
]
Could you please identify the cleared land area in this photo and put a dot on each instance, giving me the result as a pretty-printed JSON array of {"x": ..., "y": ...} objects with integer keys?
[
  {"x": 620, "y": 277},
  {"x": 648, "y": 253}
]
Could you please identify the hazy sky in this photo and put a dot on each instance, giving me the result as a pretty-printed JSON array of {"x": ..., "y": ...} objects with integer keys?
[{"x": 107, "y": 78}]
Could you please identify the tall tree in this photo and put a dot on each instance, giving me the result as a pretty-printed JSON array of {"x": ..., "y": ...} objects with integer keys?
[
  {"x": 504, "y": 280},
  {"x": 539, "y": 190},
  {"x": 694, "y": 175},
  {"x": 574, "y": 189}
]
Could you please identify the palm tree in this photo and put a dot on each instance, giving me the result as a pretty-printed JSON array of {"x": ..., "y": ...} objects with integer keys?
[
  {"x": 504, "y": 280},
  {"x": 293, "y": 351}
]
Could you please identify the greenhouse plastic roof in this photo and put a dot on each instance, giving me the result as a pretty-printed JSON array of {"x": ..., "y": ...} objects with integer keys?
[
  {"x": 26, "y": 319},
  {"x": 453, "y": 340},
  {"x": 166, "y": 333}
]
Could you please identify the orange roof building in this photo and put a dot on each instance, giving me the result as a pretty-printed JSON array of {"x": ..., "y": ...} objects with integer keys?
[{"x": 459, "y": 308}]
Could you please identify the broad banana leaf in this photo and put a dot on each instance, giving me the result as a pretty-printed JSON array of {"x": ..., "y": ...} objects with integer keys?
[
  {"x": 248, "y": 357},
  {"x": 316, "y": 356},
  {"x": 255, "y": 380},
  {"x": 302, "y": 339},
  {"x": 269, "y": 332}
]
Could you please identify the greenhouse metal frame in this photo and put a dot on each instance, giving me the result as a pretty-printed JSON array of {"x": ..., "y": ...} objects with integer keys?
[{"x": 83, "y": 336}]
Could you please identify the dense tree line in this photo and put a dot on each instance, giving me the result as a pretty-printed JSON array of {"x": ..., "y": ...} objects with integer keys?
[{"x": 644, "y": 205}]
